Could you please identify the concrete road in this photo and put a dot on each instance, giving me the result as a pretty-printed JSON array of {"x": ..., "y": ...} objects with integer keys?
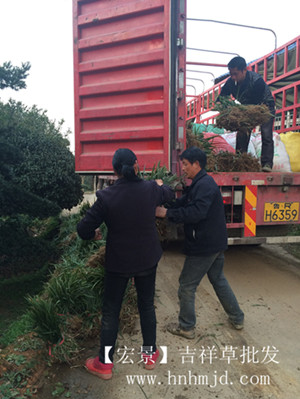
[{"x": 261, "y": 361}]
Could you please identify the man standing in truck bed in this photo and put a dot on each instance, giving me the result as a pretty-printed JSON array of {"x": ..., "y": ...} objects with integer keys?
[{"x": 248, "y": 87}]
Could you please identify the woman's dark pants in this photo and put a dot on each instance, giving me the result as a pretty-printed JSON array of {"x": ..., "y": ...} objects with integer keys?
[{"x": 114, "y": 289}]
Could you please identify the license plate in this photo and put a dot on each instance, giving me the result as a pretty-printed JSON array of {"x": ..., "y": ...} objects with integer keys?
[{"x": 281, "y": 212}]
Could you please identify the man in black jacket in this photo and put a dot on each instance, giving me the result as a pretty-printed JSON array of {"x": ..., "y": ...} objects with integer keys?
[
  {"x": 201, "y": 210},
  {"x": 248, "y": 87}
]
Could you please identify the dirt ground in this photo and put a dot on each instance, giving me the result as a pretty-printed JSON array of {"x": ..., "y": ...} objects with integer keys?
[{"x": 261, "y": 361}]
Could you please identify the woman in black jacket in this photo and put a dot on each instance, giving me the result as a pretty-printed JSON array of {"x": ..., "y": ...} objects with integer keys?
[{"x": 132, "y": 250}]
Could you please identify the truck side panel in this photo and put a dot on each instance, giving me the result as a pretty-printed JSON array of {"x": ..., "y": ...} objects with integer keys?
[{"x": 122, "y": 88}]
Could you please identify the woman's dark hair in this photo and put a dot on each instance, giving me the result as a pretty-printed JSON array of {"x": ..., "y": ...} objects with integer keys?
[
  {"x": 123, "y": 161},
  {"x": 237, "y": 62},
  {"x": 194, "y": 154}
]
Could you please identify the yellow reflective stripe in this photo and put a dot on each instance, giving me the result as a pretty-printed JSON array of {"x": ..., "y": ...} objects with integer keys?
[
  {"x": 250, "y": 224},
  {"x": 250, "y": 197}
]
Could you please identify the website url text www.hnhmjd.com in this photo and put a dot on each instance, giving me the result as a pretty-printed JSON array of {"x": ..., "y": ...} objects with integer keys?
[{"x": 190, "y": 378}]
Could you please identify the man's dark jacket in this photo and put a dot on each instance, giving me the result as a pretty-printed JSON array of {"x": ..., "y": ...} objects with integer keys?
[
  {"x": 201, "y": 210},
  {"x": 128, "y": 209},
  {"x": 253, "y": 90}
]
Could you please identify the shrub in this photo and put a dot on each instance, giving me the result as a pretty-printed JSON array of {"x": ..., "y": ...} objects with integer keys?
[{"x": 22, "y": 250}]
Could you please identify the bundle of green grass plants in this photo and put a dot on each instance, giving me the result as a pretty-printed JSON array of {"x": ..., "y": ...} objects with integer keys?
[
  {"x": 238, "y": 117},
  {"x": 199, "y": 140},
  {"x": 232, "y": 162},
  {"x": 68, "y": 310},
  {"x": 161, "y": 172}
]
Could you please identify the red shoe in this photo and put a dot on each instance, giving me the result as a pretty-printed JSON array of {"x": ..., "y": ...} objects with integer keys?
[
  {"x": 101, "y": 370},
  {"x": 150, "y": 360}
]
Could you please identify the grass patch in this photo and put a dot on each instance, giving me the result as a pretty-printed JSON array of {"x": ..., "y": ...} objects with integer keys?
[
  {"x": 293, "y": 249},
  {"x": 15, "y": 329},
  {"x": 13, "y": 304}
]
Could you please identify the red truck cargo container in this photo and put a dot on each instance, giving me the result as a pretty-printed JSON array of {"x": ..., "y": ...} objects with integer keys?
[{"x": 129, "y": 73}]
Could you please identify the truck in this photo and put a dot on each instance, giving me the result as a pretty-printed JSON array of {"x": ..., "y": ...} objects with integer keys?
[{"x": 130, "y": 91}]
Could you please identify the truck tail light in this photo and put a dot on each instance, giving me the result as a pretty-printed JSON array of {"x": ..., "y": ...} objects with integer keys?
[{"x": 227, "y": 197}]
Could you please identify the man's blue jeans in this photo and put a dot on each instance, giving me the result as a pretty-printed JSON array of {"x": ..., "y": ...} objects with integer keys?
[{"x": 194, "y": 269}]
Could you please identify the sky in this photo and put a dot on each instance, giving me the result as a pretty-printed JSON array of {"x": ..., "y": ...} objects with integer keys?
[{"x": 40, "y": 31}]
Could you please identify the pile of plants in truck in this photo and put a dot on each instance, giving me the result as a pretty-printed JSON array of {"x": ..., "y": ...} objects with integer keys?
[{"x": 222, "y": 161}]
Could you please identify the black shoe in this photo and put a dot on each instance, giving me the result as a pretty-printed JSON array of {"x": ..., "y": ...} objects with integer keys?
[
  {"x": 237, "y": 326},
  {"x": 266, "y": 168},
  {"x": 175, "y": 329}
]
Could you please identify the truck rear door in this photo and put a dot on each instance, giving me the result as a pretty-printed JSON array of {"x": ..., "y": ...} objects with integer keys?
[{"x": 127, "y": 80}]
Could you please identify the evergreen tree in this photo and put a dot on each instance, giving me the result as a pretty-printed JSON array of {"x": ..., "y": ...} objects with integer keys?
[
  {"x": 37, "y": 178},
  {"x": 13, "y": 76}
]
